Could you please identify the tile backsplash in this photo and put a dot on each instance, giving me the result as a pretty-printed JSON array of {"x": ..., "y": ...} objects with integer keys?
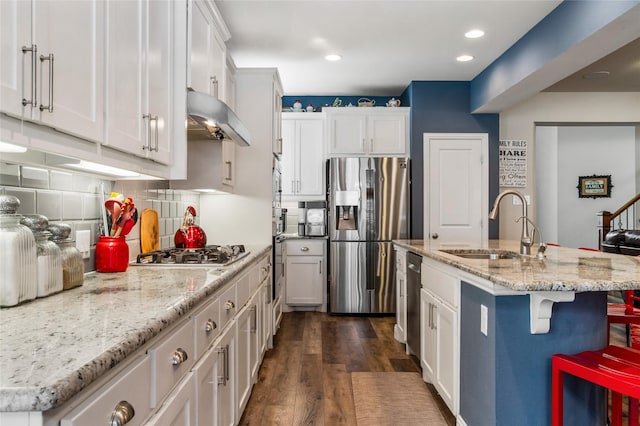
[{"x": 75, "y": 198}]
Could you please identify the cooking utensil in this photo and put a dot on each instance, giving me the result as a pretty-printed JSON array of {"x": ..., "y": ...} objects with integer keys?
[
  {"x": 129, "y": 224},
  {"x": 127, "y": 213},
  {"x": 149, "y": 235},
  {"x": 114, "y": 206}
]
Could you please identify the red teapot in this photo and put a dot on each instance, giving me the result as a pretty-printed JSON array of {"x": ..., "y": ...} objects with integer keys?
[{"x": 190, "y": 235}]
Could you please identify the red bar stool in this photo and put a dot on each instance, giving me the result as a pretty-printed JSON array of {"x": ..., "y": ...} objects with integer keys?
[
  {"x": 616, "y": 368},
  {"x": 624, "y": 313}
]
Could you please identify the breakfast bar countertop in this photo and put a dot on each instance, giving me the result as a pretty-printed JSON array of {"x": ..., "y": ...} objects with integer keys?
[
  {"x": 54, "y": 347},
  {"x": 562, "y": 269}
]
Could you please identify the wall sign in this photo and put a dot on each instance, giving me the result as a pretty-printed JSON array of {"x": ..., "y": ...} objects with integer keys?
[
  {"x": 594, "y": 186},
  {"x": 513, "y": 163}
]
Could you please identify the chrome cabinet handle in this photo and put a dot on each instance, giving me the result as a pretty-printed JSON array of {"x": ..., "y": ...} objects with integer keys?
[
  {"x": 254, "y": 319},
  {"x": 228, "y": 177},
  {"x": 210, "y": 326},
  {"x": 155, "y": 120},
  {"x": 214, "y": 83},
  {"x": 34, "y": 70},
  {"x": 121, "y": 414},
  {"x": 147, "y": 145},
  {"x": 320, "y": 269},
  {"x": 228, "y": 305},
  {"x": 304, "y": 249},
  {"x": 225, "y": 362},
  {"x": 50, "y": 59},
  {"x": 179, "y": 356}
]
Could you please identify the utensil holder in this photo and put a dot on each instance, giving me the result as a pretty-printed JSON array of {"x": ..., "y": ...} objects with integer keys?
[{"x": 112, "y": 254}]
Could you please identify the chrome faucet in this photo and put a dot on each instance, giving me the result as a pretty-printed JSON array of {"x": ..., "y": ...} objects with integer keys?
[
  {"x": 542, "y": 246},
  {"x": 525, "y": 239}
]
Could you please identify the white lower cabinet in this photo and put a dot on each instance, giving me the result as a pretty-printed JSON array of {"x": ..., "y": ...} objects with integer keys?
[
  {"x": 244, "y": 337},
  {"x": 200, "y": 372},
  {"x": 179, "y": 408},
  {"x": 305, "y": 272},
  {"x": 225, "y": 399},
  {"x": 127, "y": 395},
  {"x": 440, "y": 333},
  {"x": 400, "y": 329}
]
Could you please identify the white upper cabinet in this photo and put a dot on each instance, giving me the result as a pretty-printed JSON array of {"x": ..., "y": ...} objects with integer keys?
[
  {"x": 207, "y": 64},
  {"x": 303, "y": 155},
  {"x": 368, "y": 131},
  {"x": 54, "y": 61},
  {"x": 139, "y": 78},
  {"x": 16, "y": 84}
]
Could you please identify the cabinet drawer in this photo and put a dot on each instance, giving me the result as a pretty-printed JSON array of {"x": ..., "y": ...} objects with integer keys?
[
  {"x": 305, "y": 247},
  {"x": 264, "y": 270},
  {"x": 170, "y": 361},
  {"x": 206, "y": 326},
  {"x": 131, "y": 387},
  {"x": 441, "y": 284},
  {"x": 228, "y": 305},
  {"x": 244, "y": 286}
]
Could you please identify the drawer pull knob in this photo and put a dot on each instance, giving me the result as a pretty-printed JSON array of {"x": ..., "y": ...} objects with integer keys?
[
  {"x": 179, "y": 356},
  {"x": 210, "y": 325},
  {"x": 121, "y": 414},
  {"x": 304, "y": 249},
  {"x": 228, "y": 305}
]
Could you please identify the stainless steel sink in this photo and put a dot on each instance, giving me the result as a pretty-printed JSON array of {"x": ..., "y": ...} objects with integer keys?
[{"x": 483, "y": 254}]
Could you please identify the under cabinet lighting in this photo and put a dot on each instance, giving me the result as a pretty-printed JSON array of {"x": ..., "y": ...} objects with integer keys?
[
  {"x": 101, "y": 168},
  {"x": 8, "y": 147}
]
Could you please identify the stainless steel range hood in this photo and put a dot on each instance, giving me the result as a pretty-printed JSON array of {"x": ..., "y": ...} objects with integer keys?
[{"x": 208, "y": 118}]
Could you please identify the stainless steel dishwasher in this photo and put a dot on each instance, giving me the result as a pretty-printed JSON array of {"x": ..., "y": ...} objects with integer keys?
[{"x": 414, "y": 285}]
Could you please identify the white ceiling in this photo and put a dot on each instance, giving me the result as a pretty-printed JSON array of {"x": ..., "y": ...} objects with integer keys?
[{"x": 385, "y": 44}]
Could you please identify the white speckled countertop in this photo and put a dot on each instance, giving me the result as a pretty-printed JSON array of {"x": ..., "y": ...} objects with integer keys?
[
  {"x": 52, "y": 348},
  {"x": 563, "y": 269}
]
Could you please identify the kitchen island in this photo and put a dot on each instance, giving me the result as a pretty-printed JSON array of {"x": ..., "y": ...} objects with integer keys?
[
  {"x": 58, "y": 349},
  {"x": 506, "y": 317}
]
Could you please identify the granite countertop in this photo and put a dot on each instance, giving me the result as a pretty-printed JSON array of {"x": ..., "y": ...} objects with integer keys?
[
  {"x": 295, "y": 236},
  {"x": 563, "y": 269},
  {"x": 55, "y": 346}
]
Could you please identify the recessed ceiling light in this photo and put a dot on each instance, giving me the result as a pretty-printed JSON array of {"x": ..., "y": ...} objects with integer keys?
[
  {"x": 474, "y": 34},
  {"x": 464, "y": 58},
  {"x": 333, "y": 57},
  {"x": 596, "y": 74}
]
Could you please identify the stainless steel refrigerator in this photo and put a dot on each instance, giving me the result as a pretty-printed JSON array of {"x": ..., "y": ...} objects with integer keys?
[{"x": 368, "y": 202}]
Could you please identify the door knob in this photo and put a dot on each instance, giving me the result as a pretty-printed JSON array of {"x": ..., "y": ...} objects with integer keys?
[{"x": 434, "y": 236}]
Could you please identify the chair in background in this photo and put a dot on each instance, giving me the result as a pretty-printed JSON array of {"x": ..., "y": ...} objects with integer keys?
[{"x": 626, "y": 313}]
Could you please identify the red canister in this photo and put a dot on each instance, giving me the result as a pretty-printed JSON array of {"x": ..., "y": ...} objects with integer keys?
[{"x": 112, "y": 254}]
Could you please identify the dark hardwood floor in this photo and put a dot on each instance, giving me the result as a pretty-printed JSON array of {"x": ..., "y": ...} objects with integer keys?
[{"x": 306, "y": 378}]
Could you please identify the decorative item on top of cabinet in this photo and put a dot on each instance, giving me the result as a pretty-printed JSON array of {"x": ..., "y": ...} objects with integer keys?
[
  {"x": 368, "y": 131},
  {"x": 303, "y": 155},
  {"x": 305, "y": 272},
  {"x": 52, "y": 78}
]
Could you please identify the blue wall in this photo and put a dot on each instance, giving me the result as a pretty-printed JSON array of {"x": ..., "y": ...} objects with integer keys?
[
  {"x": 505, "y": 377},
  {"x": 443, "y": 107},
  {"x": 566, "y": 26}
]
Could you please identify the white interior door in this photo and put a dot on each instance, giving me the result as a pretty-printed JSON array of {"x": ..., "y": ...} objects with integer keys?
[{"x": 456, "y": 181}]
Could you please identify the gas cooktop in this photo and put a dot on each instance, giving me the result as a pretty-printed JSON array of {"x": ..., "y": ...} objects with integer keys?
[{"x": 211, "y": 255}]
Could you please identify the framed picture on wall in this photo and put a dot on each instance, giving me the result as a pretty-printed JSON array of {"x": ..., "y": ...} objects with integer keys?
[{"x": 594, "y": 186}]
